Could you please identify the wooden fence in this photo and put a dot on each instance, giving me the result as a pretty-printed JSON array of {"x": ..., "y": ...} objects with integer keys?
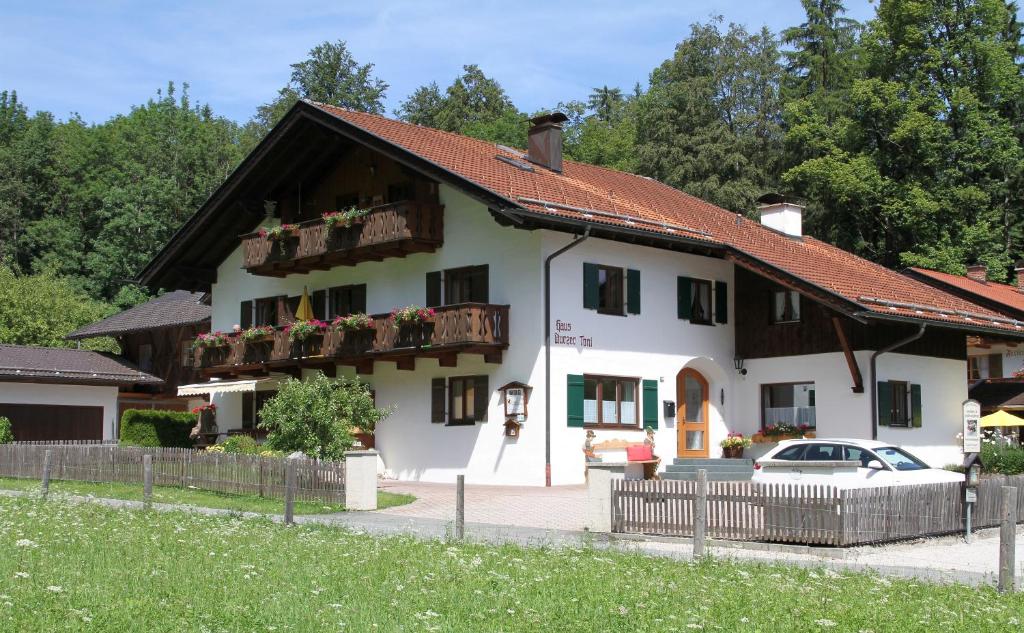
[
  {"x": 812, "y": 515},
  {"x": 219, "y": 472}
]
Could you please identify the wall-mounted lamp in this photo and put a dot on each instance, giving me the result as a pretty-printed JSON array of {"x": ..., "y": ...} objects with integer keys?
[{"x": 737, "y": 362}]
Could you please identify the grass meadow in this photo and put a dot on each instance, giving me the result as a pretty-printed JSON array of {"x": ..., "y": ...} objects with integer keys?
[
  {"x": 192, "y": 496},
  {"x": 86, "y": 567}
]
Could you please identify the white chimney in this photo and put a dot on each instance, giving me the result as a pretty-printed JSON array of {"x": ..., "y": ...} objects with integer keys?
[{"x": 781, "y": 215}]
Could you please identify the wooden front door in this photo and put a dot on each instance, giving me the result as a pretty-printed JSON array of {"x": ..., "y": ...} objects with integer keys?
[{"x": 691, "y": 414}]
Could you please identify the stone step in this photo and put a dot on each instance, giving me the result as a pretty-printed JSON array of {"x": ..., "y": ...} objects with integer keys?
[
  {"x": 687, "y": 461},
  {"x": 675, "y": 468},
  {"x": 712, "y": 476}
]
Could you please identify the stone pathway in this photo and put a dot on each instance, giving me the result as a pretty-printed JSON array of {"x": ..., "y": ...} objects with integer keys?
[{"x": 555, "y": 508}]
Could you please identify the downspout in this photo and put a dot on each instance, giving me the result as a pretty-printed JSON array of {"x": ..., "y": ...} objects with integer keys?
[
  {"x": 874, "y": 381},
  {"x": 547, "y": 350}
]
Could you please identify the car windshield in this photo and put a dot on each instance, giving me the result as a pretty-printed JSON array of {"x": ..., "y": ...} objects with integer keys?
[{"x": 899, "y": 459}]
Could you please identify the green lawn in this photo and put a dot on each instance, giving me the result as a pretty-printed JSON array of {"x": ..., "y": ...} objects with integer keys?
[
  {"x": 193, "y": 497},
  {"x": 81, "y": 567}
]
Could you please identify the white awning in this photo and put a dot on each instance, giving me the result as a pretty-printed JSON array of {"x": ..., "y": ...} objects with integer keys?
[{"x": 227, "y": 386}]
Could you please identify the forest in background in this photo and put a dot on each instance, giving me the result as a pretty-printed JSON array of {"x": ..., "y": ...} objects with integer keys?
[{"x": 904, "y": 135}]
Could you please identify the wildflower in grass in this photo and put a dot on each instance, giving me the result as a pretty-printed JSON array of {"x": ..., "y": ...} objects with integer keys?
[
  {"x": 21, "y": 574},
  {"x": 24, "y": 542},
  {"x": 55, "y": 588},
  {"x": 825, "y": 622}
]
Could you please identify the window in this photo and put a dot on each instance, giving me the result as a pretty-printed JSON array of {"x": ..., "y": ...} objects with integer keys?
[
  {"x": 857, "y": 454},
  {"x": 187, "y": 357},
  {"x": 973, "y": 368},
  {"x": 899, "y": 459},
  {"x": 460, "y": 400},
  {"x": 785, "y": 306},
  {"x": 791, "y": 453},
  {"x": 995, "y": 365},
  {"x": 609, "y": 290},
  {"x": 823, "y": 453},
  {"x": 252, "y": 403},
  {"x": 700, "y": 306},
  {"x": 265, "y": 311},
  {"x": 401, "y": 192},
  {"x": 788, "y": 403},
  {"x": 609, "y": 401},
  {"x": 346, "y": 300},
  {"x": 899, "y": 404},
  {"x": 146, "y": 357},
  {"x": 457, "y": 285},
  {"x": 465, "y": 285}
]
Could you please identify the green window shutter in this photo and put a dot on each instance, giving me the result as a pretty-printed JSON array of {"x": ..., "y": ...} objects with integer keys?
[
  {"x": 884, "y": 403},
  {"x": 632, "y": 291},
  {"x": 245, "y": 322},
  {"x": 434, "y": 289},
  {"x": 481, "y": 398},
  {"x": 721, "y": 302},
  {"x": 574, "y": 400},
  {"x": 650, "y": 403},
  {"x": 590, "y": 286},
  {"x": 915, "y": 405},
  {"x": 437, "y": 394},
  {"x": 684, "y": 297}
]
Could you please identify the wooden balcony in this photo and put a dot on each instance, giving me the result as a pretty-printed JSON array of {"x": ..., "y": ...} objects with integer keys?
[
  {"x": 466, "y": 328},
  {"x": 392, "y": 230}
]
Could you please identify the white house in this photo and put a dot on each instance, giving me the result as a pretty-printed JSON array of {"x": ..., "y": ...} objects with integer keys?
[{"x": 620, "y": 302}]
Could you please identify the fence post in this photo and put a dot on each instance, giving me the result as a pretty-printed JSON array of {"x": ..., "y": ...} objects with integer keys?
[
  {"x": 147, "y": 480},
  {"x": 460, "y": 507},
  {"x": 599, "y": 498},
  {"x": 361, "y": 480},
  {"x": 1007, "y": 538},
  {"x": 47, "y": 463},
  {"x": 289, "y": 490},
  {"x": 700, "y": 514}
]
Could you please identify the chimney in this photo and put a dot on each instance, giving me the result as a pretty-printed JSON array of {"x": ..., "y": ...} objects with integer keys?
[
  {"x": 977, "y": 272},
  {"x": 782, "y": 214},
  {"x": 546, "y": 140},
  {"x": 1018, "y": 268}
]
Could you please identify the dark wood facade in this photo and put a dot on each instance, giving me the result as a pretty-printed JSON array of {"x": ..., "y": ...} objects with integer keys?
[
  {"x": 758, "y": 337},
  {"x": 162, "y": 352}
]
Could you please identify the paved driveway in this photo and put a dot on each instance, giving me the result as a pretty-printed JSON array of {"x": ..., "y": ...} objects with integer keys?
[{"x": 555, "y": 508}]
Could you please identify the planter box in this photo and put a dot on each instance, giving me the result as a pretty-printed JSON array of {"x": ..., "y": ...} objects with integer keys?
[
  {"x": 414, "y": 334},
  {"x": 357, "y": 342},
  {"x": 758, "y": 438},
  {"x": 310, "y": 346}
]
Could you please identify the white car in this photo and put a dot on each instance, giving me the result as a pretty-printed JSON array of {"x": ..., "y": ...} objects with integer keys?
[{"x": 867, "y": 463}]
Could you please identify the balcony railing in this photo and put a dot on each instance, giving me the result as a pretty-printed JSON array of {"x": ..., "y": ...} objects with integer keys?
[
  {"x": 392, "y": 230},
  {"x": 478, "y": 328}
]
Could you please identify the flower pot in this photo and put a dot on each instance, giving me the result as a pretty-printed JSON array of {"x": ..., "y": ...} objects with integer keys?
[
  {"x": 414, "y": 334},
  {"x": 732, "y": 452},
  {"x": 208, "y": 421}
]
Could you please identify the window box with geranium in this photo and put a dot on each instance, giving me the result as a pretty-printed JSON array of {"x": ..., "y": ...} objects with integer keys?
[
  {"x": 355, "y": 333},
  {"x": 210, "y": 348},
  {"x": 733, "y": 445},
  {"x": 307, "y": 337},
  {"x": 415, "y": 325},
  {"x": 282, "y": 240},
  {"x": 257, "y": 343},
  {"x": 779, "y": 432},
  {"x": 344, "y": 219}
]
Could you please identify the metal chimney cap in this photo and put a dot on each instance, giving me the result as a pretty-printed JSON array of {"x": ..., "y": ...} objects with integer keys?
[{"x": 551, "y": 117}]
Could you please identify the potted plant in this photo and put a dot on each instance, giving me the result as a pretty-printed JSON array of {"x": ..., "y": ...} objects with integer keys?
[
  {"x": 344, "y": 219},
  {"x": 356, "y": 333},
  {"x": 783, "y": 431},
  {"x": 733, "y": 445},
  {"x": 415, "y": 325},
  {"x": 207, "y": 418},
  {"x": 281, "y": 237},
  {"x": 306, "y": 336},
  {"x": 257, "y": 341}
]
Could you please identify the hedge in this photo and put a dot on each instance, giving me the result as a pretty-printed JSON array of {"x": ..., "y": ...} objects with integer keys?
[
  {"x": 151, "y": 427},
  {"x": 6, "y": 435}
]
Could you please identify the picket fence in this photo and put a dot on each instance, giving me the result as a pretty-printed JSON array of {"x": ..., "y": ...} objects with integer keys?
[
  {"x": 805, "y": 514},
  {"x": 218, "y": 472}
]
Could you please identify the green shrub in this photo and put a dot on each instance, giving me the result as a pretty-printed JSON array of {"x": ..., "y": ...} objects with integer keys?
[
  {"x": 148, "y": 427},
  {"x": 317, "y": 416},
  {"x": 1002, "y": 460},
  {"x": 6, "y": 434},
  {"x": 242, "y": 444}
]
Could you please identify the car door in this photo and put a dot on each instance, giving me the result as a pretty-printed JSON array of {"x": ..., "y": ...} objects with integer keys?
[{"x": 869, "y": 476}]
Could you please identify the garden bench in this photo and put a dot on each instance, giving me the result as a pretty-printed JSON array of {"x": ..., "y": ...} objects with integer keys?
[{"x": 614, "y": 452}]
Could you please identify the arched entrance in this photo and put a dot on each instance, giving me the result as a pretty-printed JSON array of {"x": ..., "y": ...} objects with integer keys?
[{"x": 691, "y": 414}]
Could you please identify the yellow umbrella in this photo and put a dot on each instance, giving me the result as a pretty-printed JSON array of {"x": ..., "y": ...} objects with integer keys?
[
  {"x": 1001, "y": 418},
  {"x": 305, "y": 310}
]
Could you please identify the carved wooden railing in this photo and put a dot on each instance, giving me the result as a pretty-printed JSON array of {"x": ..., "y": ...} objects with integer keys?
[
  {"x": 400, "y": 224},
  {"x": 476, "y": 325}
]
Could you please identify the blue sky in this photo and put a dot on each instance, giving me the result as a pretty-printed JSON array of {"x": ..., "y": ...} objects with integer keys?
[{"x": 97, "y": 58}]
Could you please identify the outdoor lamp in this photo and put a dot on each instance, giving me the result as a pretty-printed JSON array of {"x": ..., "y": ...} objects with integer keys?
[{"x": 737, "y": 362}]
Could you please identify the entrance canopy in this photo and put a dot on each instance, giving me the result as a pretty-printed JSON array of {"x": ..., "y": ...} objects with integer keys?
[
  {"x": 232, "y": 386},
  {"x": 1001, "y": 418}
]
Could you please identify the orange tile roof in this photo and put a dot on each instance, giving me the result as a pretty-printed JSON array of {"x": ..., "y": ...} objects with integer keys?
[
  {"x": 1005, "y": 294},
  {"x": 661, "y": 209}
]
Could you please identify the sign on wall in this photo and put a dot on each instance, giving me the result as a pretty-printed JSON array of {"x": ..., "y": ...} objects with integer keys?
[
  {"x": 564, "y": 335},
  {"x": 972, "y": 428}
]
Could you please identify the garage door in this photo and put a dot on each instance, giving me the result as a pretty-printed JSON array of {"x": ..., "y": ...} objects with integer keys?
[{"x": 35, "y": 422}]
